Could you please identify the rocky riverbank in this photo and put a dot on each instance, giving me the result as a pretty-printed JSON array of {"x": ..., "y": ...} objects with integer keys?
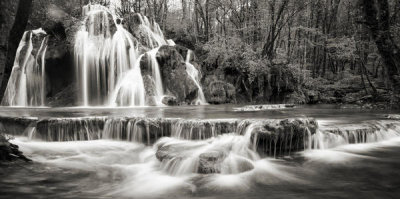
[{"x": 10, "y": 152}]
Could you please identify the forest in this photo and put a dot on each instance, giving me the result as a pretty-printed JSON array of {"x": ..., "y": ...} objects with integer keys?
[
  {"x": 190, "y": 99},
  {"x": 307, "y": 51},
  {"x": 257, "y": 51}
]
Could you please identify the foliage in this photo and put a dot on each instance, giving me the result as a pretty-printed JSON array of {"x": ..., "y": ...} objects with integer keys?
[{"x": 233, "y": 55}]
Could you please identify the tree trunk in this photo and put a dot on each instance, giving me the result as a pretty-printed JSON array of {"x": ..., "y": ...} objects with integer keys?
[{"x": 377, "y": 19}]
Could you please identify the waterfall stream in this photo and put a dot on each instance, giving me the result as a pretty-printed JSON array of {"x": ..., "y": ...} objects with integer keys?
[
  {"x": 155, "y": 71},
  {"x": 107, "y": 62},
  {"x": 103, "y": 58},
  {"x": 27, "y": 83},
  {"x": 195, "y": 76}
]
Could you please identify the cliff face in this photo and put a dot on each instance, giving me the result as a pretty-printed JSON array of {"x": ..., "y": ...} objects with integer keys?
[
  {"x": 60, "y": 20},
  {"x": 8, "y": 8},
  {"x": 15, "y": 33}
]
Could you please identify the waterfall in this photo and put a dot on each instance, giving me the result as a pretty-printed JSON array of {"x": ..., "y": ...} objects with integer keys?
[
  {"x": 129, "y": 90},
  {"x": 155, "y": 37},
  {"x": 226, "y": 154},
  {"x": 26, "y": 86},
  {"x": 106, "y": 60},
  {"x": 374, "y": 131},
  {"x": 106, "y": 56},
  {"x": 156, "y": 76},
  {"x": 195, "y": 76}
]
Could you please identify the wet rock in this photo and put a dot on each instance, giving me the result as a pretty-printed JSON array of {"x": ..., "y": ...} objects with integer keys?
[
  {"x": 264, "y": 107},
  {"x": 170, "y": 100},
  {"x": 392, "y": 116},
  {"x": 60, "y": 20},
  {"x": 282, "y": 137},
  {"x": 8, "y": 9},
  {"x": 135, "y": 24},
  {"x": 69, "y": 129},
  {"x": 210, "y": 162},
  {"x": 149, "y": 88},
  {"x": 176, "y": 81},
  {"x": 219, "y": 92},
  {"x": 167, "y": 152},
  {"x": 98, "y": 28},
  {"x": 10, "y": 152},
  {"x": 237, "y": 165},
  {"x": 65, "y": 98},
  {"x": 16, "y": 125}
]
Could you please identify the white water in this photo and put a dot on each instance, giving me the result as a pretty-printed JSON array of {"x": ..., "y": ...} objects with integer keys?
[
  {"x": 108, "y": 64},
  {"x": 156, "y": 76},
  {"x": 104, "y": 58},
  {"x": 129, "y": 90},
  {"x": 195, "y": 76},
  {"x": 369, "y": 132},
  {"x": 27, "y": 83},
  {"x": 155, "y": 37},
  {"x": 136, "y": 170}
]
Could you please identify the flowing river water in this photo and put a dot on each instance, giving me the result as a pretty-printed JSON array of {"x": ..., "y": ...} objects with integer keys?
[{"x": 112, "y": 167}]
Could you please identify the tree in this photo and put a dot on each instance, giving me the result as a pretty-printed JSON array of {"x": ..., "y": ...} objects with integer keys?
[{"x": 377, "y": 18}]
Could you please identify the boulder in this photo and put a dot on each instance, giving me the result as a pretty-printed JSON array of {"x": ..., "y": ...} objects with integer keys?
[
  {"x": 219, "y": 92},
  {"x": 282, "y": 137},
  {"x": 210, "y": 162},
  {"x": 97, "y": 27},
  {"x": 10, "y": 152},
  {"x": 149, "y": 88},
  {"x": 237, "y": 165},
  {"x": 205, "y": 157},
  {"x": 169, "y": 100},
  {"x": 135, "y": 24},
  {"x": 175, "y": 79}
]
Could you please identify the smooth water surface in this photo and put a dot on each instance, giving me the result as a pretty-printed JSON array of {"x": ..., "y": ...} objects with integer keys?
[{"x": 117, "y": 169}]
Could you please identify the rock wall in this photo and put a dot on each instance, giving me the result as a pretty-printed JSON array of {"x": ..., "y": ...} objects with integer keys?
[
  {"x": 14, "y": 19},
  {"x": 8, "y": 8}
]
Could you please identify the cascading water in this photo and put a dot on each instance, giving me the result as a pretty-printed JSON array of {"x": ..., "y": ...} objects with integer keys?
[
  {"x": 129, "y": 90},
  {"x": 195, "y": 76},
  {"x": 129, "y": 155},
  {"x": 26, "y": 86},
  {"x": 156, "y": 76},
  {"x": 155, "y": 37},
  {"x": 104, "y": 54},
  {"x": 108, "y": 60},
  {"x": 374, "y": 131}
]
